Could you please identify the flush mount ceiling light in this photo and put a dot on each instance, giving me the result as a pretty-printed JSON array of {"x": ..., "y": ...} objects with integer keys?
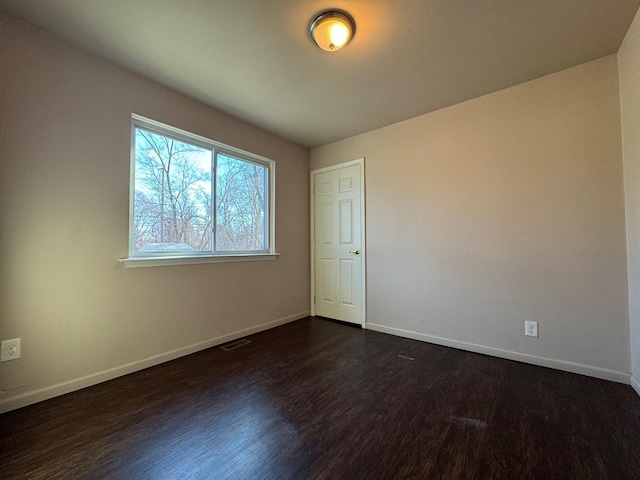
[{"x": 332, "y": 30}]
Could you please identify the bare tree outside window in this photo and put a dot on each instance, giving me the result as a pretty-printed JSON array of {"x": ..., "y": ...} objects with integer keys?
[
  {"x": 172, "y": 204},
  {"x": 174, "y": 198},
  {"x": 240, "y": 215}
]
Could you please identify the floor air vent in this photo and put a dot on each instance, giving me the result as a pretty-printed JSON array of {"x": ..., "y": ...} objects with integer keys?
[{"x": 236, "y": 344}]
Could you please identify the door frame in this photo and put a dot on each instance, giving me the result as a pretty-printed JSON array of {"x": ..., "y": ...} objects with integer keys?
[{"x": 363, "y": 249}]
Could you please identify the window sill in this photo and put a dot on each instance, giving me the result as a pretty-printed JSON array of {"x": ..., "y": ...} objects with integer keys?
[{"x": 136, "y": 262}]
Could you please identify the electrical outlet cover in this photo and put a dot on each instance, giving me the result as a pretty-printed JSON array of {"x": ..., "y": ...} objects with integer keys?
[
  {"x": 9, "y": 350},
  {"x": 531, "y": 329}
]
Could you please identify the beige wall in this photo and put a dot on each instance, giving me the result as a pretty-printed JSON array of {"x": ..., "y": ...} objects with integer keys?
[
  {"x": 629, "y": 66},
  {"x": 64, "y": 194},
  {"x": 506, "y": 208}
]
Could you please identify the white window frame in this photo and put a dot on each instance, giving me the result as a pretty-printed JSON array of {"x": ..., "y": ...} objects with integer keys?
[{"x": 152, "y": 259}]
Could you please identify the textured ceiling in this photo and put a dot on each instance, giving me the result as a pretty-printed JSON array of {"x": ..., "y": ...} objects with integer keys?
[{"x": 254, "y": 58}]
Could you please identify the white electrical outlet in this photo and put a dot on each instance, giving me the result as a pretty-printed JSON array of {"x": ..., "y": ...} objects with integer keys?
[
  {"x": 531, "y": 329},
  {"x": 9, "y": 350}
]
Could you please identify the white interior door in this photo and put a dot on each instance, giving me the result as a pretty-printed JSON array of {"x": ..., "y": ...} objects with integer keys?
[{"x": 338, "y": 243}]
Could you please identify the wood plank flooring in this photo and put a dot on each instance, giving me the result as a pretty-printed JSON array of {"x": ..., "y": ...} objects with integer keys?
[{"x": 316, "y": 399}]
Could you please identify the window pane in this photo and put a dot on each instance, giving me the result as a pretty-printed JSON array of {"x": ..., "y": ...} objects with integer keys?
[
  {"x": 172, "y": 204},
  {"x": 241, "y": 214}
]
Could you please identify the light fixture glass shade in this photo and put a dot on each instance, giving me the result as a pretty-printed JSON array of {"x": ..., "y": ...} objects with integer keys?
[{"x": 332, "y": 30}]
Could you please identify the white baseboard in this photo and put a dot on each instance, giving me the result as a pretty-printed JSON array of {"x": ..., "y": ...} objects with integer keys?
[
  {"x": 635, "y": 384},
  {"x": 582, "y": 369},
  {"x": 29, "y": 398}
]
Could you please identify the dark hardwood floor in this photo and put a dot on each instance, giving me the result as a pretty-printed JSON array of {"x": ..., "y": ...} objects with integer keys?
[{"x": 315, "y": 399}]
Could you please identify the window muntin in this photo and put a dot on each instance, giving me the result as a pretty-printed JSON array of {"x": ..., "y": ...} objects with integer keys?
[{"x": 180, "y": 182}]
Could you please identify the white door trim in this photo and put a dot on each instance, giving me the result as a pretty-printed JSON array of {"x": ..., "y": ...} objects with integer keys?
[{"x": 363, "y": 249}]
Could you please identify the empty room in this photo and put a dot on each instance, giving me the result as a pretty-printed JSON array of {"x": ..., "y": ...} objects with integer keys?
[{"x": 300, "y": 239}]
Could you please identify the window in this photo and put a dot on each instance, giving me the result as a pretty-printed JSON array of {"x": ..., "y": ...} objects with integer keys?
[{"x": 194, "y": 198}]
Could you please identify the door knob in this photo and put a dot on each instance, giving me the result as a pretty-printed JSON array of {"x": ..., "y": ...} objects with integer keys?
[{"x": 357, "y": 251}]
